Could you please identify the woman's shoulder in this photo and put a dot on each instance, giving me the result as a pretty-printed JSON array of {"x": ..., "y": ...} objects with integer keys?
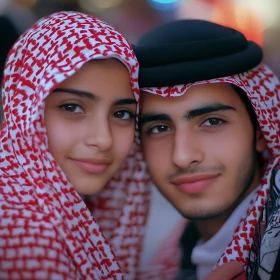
[{"x": 30, "y": 245}]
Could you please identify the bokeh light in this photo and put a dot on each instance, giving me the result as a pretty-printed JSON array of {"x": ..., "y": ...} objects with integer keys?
[
  {"x": 26, "y": 3},
  {"x": 165, "y": 5},
  {"x": 98, "y": 5}
]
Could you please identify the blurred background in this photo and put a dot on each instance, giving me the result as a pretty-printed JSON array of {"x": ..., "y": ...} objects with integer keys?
[{"x": 259, "y": 20}]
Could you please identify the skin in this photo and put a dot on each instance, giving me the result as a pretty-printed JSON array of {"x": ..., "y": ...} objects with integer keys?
[
  {"x": 90, "y": 122},
  {"x": 205, "y": 132}
]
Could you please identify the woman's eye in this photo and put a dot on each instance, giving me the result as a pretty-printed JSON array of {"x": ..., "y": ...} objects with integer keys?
[
  {"x": 158, "y": 129},
  {"x": 213, "y": 122},
  {"x": 73, "y": 108},
  {"x": 123, "y": 115}
]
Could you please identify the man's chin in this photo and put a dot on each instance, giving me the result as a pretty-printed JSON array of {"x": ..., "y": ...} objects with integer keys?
[{"x": 202, "y": 214}]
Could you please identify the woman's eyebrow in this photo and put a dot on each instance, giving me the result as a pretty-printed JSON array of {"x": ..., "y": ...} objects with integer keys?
[
  {"x": 125, "y": 101},
  {"x": 92, "y": 96},
  {"x": 78, "y": 93}
]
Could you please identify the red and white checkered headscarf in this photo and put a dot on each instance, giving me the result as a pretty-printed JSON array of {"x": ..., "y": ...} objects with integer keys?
[
  {"x": 46, "y": 229},
  {"x": 263, "y": 89}
]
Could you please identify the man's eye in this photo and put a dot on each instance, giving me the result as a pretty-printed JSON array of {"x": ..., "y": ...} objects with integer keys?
[
  {"x": 73, "y": 108},
  {"x": 213, "y": 122},
  {"x": 123, "y": 115},
  {"x": 158, "y": 129}
]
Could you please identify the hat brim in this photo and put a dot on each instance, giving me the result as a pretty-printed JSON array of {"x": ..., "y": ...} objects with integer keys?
[{"x": 191, "y": 71}]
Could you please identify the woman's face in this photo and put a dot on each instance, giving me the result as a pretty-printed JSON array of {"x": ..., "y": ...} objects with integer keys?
[{"x": 90, "y": 122}]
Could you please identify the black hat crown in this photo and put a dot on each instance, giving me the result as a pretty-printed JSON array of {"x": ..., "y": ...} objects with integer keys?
[{"x": 187, "y": 51}]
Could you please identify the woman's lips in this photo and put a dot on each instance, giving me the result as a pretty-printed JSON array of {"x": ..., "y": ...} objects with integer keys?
[
  {"x": 195, "y": 183},
  {"x": 95, "y": 166}
]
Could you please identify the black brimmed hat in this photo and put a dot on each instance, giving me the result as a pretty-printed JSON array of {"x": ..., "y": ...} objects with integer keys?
[{"x": 187, "y": 51}]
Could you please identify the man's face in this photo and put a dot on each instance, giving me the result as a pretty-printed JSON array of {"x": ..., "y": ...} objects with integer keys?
[
  {"x": 90, "y": 123},
  {"x": 200, "y": 148}
]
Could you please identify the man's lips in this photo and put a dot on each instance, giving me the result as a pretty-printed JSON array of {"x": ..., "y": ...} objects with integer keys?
[
  {"x": 194, "y": 183},
  {"x": 92, "y": 165}
]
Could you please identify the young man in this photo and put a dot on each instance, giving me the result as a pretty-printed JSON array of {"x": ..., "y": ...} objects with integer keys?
[{"x": 210, "y": 134}]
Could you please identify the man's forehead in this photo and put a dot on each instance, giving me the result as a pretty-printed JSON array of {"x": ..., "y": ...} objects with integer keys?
[{"x": 196, "y": 95}]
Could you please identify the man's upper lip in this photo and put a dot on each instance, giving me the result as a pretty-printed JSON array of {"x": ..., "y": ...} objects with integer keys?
[
  {"x": 193, "y": 178},
  {"x": 93, "y": 160}
]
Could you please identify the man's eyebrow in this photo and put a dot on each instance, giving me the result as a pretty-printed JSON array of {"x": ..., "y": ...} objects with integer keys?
[
  {"x": 78, "y": 92},
  {"x": 207, "y": 109},
  {"x": 125, "y": 101},
  {"x": 150, "y": 117}
]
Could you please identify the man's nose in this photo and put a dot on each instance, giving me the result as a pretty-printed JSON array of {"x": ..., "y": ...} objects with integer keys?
[{"x": 187, "y": 150}]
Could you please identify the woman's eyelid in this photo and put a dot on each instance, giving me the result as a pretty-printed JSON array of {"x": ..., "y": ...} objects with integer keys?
[
  {"x": 64, "y": 106},
  {"x": 126, "y": 111},
  {"x": 71, "y": 102}
]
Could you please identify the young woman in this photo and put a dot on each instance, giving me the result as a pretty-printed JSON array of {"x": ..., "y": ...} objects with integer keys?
[{"x": 70, "y": 96}]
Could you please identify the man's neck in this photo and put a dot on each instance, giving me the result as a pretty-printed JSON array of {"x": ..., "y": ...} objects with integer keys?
[{"x": 208, "y": 228}]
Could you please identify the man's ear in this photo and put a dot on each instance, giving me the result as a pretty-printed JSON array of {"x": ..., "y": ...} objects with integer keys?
[{"x": 260, "y": 141}]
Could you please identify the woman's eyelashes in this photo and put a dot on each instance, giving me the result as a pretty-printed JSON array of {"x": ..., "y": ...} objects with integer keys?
[
  {"x": 72, "y": 107},
  {"x": 76, "y": 108},
  {"x": 124, "y": 115}
]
